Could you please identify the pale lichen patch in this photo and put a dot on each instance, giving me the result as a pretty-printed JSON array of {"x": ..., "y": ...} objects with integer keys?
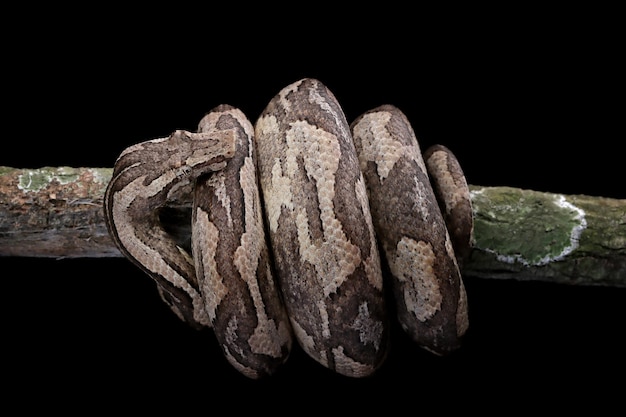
[
  {"x": 579, "y": 216},
  {"x": 38, "y": 179},
  {"x": 527, "y": 227},
  {"x": 4, "y": 170},
  {"x": 101, "y": 175}
]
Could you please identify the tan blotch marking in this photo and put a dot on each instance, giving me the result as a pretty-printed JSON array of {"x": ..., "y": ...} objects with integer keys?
[
  {"x": 284, "y": 101},
  {"x": 231, "y": 335},
  {"x": 150, "y": 258},
  {"x": 462, "y": 319},
  {"x": 420, "y": 199},
  {"x": 345, "y": 365},
  {"x": 379, "y": 146},
  {"x": 372, "y": 262},
  {"x": 279, "y": 188},
  {"x": 334, "y": 256},
  {"x": 280, "y": 192},
  {"x": 266, "y": 337},
  {"x": 249, "y": 372},
  {"x": 450, "y": 250},
  {"x": 413, "y": 265},
  {"x": 206, "y": 238},
  {"x": 323, "y": 358},
  {"x": 217, "y": 182},
  {"x": 306, "y": 341},
  {"x": 172, "y": 306},
  {"x": 322, "y": 102},
  {"x": 321, "y": 305},
  {"x": 438, "y": 166},
  {"x": 370, "y": 331}
]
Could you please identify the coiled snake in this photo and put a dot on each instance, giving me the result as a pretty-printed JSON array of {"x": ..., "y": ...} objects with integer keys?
[{"x": 292, "y": 219}]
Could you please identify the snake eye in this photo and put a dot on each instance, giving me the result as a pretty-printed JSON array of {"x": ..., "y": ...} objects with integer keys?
[{"x": 183, "y": 172}]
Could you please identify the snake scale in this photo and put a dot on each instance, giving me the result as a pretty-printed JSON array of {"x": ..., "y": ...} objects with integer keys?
[{"x": 294, "y": 220}]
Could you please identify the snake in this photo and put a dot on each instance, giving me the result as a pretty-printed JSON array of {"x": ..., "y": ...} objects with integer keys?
[{"x": 305, "y": 229}]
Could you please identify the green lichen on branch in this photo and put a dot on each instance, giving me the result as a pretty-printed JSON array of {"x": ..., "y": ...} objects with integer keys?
[
  {"x": 534, "y": 235},
  {"x": 53, "y": 211},
  {"x": 524, "y": 226},
  {"x": 519, "y": 234},
  {"x": 38, "y": 179},
  {"x": 35, "y": 180}
]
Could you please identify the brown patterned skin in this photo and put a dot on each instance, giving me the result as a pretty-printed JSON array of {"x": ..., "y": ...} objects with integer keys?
[
  {"x": 320, "y": 229},
  {"x": 430, "y": 298},
  {"x": 453, "y": 195},
  {"x": 329, "y": 191},
  {"x": 145, "y": 175},
  {"x": 233, "y": 265}
]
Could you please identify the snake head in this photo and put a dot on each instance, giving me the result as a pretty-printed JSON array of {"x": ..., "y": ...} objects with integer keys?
[
  {"x": 200, "y": 153},
  {"x": 192, "y": 155}
]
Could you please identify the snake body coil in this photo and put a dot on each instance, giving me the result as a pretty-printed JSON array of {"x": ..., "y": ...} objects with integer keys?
[
  {"x": 321, "y": 229},
  {"x": 431, "y": 301},
  {"x": 145, "y": 177},
  {"x": 332, "y": 195},
  {"x": 232, "y": 257}
]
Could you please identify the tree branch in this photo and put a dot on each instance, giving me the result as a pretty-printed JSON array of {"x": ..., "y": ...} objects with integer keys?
[{"x": 519, "y": 234}]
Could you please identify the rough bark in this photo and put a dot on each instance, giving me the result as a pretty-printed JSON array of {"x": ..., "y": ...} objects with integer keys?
[{"x": 519, "y": 234}]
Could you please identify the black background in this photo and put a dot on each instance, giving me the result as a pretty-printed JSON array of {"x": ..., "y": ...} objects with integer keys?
[{"x": 527, "y": 99}]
